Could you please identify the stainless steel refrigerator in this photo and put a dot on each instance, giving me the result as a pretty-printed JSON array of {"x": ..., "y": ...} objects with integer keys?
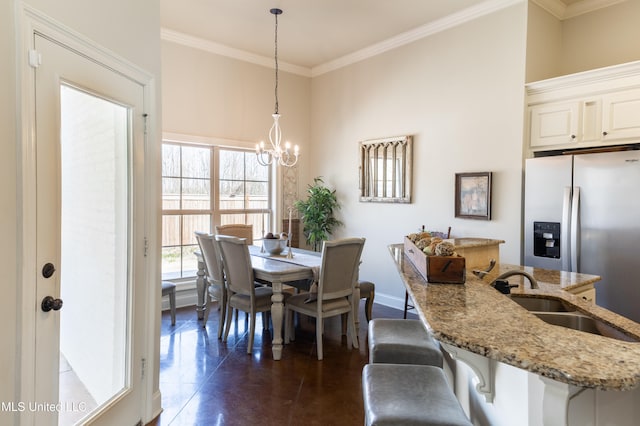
[{"x": 582, "y": 214}]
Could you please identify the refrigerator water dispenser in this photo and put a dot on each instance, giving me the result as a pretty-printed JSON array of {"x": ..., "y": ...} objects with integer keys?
[{"x": 546, "y": 239}]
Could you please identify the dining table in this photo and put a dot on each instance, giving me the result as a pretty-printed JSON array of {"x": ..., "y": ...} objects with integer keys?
[{"x": 277, "y": 270}]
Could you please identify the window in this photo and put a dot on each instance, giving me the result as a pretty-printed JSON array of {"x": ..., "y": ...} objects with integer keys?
[
  {"x": 244, "y": 194},
  {"x": 203, "y": 186}
]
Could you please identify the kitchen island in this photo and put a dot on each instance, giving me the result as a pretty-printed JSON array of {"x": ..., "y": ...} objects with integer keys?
[{"x": 526, "y": 370}]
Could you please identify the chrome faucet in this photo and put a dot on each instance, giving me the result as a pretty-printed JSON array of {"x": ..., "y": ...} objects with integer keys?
[{"x": 532, "y": 281}]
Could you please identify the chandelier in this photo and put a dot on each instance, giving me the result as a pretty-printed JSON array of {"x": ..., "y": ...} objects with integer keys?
[{"x": 276, "y": 153}]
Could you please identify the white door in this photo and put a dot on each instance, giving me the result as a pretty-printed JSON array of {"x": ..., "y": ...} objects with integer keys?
[{"x": 89, "y": 241}]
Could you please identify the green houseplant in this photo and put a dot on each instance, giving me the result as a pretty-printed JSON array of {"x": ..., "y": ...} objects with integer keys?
[{"x": 316, "y": 213}]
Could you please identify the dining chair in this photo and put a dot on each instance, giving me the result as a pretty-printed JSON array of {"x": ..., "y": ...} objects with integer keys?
[
  {"x": 239, "y": 230},
  {"x": 243, "y": 294},
  {"x": 169, "y": 289},
  {"x": 214, "y": 274},
  {"x": 367, "y": 292},
  {"x": 336, "y": 283},
  {"x": 407, "y": 305}
]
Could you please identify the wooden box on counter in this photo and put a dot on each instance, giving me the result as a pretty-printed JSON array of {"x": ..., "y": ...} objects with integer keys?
[
  {"x": 436, "y": 269},
  {"x": 446, "y": 269}
]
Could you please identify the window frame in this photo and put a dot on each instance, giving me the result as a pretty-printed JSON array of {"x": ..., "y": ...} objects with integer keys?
[
  {"x": 214, "y": 211},
  {"x": 218, "y": 211}
]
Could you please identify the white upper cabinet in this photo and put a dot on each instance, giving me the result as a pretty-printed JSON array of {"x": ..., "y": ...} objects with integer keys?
[
  {"x": 585, "y": 110},
  {"x": 621, "y": 115},
  {"x": 555, "y": 123}
]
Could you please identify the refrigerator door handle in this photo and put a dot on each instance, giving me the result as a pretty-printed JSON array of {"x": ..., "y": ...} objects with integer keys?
[
  {"x": 575, "y": 229},
  {"x": 565, "y": 252}
]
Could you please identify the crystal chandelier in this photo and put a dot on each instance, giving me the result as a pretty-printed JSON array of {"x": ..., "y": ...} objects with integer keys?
[{"x": 276, "y": 153}]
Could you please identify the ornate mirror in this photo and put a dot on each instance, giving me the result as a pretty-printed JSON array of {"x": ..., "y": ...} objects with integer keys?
[{"x": 385, "y": 170}]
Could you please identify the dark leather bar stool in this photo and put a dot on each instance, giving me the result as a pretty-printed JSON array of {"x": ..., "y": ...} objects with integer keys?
[
  {"x": 398, "y": 341},
  {"x": 402, "y": 394}
]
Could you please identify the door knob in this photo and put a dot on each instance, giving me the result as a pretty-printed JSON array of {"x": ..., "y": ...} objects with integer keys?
[
  {"x": 49, "y": 303},
  {"x": 48, "y": 269}
]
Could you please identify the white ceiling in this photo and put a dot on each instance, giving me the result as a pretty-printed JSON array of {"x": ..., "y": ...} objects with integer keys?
[{"x": 316, "y": 32}]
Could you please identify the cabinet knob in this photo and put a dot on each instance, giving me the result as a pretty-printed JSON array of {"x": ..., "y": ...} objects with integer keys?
[
  {"x": 604, "y": 133},
  {"x": 573, "y": 136}
]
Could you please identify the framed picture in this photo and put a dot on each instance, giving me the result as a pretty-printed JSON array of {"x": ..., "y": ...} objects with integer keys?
[{"x": 473, "y": 195}]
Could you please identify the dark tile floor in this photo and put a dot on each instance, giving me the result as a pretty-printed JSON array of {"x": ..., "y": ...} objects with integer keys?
[{"x": 204, "y": 381}]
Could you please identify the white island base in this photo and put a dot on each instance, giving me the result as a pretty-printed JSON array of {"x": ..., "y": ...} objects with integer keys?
[{"x": 497, "y": 394}]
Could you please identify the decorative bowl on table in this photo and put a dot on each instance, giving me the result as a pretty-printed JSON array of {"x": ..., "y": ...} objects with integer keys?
[{"x": 274, "y": 246}]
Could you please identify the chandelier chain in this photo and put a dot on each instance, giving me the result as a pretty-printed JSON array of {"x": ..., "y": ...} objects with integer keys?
[{"x": 276, "y": 60}]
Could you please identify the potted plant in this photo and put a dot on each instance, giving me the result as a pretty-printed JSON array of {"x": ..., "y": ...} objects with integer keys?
[{"x": 317, "y": 213}]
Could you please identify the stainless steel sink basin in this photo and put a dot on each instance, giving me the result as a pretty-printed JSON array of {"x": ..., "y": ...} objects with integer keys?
[
  {"x": 558, "y": 312},
  {"x": 580, "y": 322},
  {"x": 537, "y": 304},
  {"x": 574, "y": 321}
]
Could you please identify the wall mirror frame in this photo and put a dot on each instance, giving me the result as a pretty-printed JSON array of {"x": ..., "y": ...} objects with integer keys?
[{"x": 386, "y": 169}]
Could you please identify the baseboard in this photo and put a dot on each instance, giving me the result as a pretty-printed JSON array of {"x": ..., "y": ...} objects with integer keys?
[
  {"x": 186, "y": 296},
  {"x": 156, "y": 408},
  {"x": 389, "y": 301}
]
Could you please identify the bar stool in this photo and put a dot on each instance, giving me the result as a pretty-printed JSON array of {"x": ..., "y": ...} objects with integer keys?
[
  {"x": 398, "y": 341},
  {"x": 169, "y": 289},
  {"x": 402, "y": 394}
]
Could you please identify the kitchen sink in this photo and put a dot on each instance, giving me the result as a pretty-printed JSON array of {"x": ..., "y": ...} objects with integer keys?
[
  {"x": 572, "y": 320},
  {"x": 581, "y": 322},
  {"x": 547, "y": 304},
  {"x": 558, "y": 312}
]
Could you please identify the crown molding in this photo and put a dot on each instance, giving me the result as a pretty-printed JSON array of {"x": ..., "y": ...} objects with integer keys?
[
  {"x": 624, "y": 75},
  {"x": 562, "y": 11},
  {"x": 221, "y": 49},
  {"x": 453, "y": 20}
]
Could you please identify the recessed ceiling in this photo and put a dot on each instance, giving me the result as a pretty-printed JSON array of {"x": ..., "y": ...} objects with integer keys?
[{"x": 314, "y": 32}]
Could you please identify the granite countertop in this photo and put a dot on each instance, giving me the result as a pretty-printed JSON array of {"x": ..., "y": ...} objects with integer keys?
[{"x": 477, "y": 318}]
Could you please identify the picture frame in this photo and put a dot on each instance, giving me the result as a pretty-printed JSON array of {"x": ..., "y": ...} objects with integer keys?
[{"x": 473, "y": 195}]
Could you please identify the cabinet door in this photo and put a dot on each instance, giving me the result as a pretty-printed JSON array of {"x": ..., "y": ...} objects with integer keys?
[
  {"x": 621, "y": 115},
  {"x": 554, "y": 124}
]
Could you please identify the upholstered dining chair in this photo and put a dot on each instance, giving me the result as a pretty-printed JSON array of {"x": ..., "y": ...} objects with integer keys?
[
  {"x": 169, "y": 289},
  {"x": 243, "y": 294},
  {"x": 367, "y": 292},
  {"x": 336, "y": 283},
  {"x": 239, "y": 230},
  {"x": 214, "y": 274}
]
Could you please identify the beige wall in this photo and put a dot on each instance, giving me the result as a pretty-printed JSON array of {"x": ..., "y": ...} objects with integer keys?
[
  {"x": 597, "y": 39},
  {"x": 608, "y": 36},
  {"x": 130, "y": 30},
  {"x": 544, "y": 44},
  {"x": 214, "y": 96},
  {"x": 460, "y": 93}
]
